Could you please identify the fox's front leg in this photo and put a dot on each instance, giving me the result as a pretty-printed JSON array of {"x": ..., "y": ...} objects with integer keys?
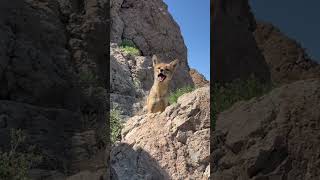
[{"x": 150, "y": 105}]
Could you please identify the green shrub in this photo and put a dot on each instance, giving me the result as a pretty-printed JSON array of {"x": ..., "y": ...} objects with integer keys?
[
  {"x": 130, "y": 48},
  {"x": 115, "y": 124},
  {"x": 88, "y": 78},
  {"x": 224, "y": 96},
  {"x": 16, "y": 163},
  {"x": 173, "y": 97}
]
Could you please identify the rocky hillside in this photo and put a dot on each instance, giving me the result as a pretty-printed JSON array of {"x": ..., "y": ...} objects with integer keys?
[
  {"x": 275, "y": 136},
  {"x": 235, "y": 52},
  {"x": 198, "y": 79},
  {"x": 52, "y": 83},
  {"x": 169, "y": 145},
  {"x": 53, "y": 76},
  {"x": 152, "y": 29},
  {"x": 173, "y": 144},
  {"x": 287, "y": 60},
  {"x": 272, "y": 137}
]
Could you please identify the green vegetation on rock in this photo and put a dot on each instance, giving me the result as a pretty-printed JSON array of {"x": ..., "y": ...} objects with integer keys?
[
  {"x": 129, "y": 47},
  {"x": 115, "y": 124},
  {"x": 19, "y": 159},
  {"x": 173, "y": 97}
]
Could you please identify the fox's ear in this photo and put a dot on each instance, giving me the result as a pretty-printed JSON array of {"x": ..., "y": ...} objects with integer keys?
[
  {"x": 174, "y": 64},
  {"x": 155, "y": 60}
]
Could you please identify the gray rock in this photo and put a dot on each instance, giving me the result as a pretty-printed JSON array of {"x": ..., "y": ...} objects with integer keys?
[
  {"x": 287, "y": 60},
  {"x": 272, "y": 137},
  {"x": 44, "y": 45},
  {"x": 164, "y": 145},
  {"x": 151, "y": 27},
  {"x": 35, "y": 65}
]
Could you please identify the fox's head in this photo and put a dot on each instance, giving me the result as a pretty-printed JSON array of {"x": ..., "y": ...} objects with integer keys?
[{"x": 163, "y": 72}]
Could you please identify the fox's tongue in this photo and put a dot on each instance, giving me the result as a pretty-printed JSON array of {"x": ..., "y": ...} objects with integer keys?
[{"x": 161, "y": 78}]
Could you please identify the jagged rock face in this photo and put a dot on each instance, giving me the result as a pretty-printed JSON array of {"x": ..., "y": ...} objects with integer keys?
[
  {"x": 44, "y": 44},
  {"x": 35, "y": 65},
  {"x": 130, "y": 79},
  {"x": 198, "y": 79},
  {"x": 169, "y": 145},
  {"x": 272, "y": 137},
  {"x": 235, "y": 52},
  {"x": 150, "y": 26},
  {"x": 286, "y": 59}
]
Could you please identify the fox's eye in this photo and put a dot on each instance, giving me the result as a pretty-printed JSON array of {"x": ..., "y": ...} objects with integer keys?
[{"x": 167, "y": 70}]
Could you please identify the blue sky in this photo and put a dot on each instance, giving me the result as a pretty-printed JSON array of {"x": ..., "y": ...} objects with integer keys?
[
  {"x": 193, "y": 17},
  {"x": 297, "y": 19}
]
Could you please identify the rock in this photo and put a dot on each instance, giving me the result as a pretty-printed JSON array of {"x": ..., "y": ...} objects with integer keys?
[
  {"x": 275, "y": 136},
  {"x": 35, "y": 65},
  {"x": 142, "y": 71},
  {"x": 3, "y": 120},
  {"x": 50, "y": 129},
  {"x": 44, "y": 47},
  {"x": 86, "y": 175},
  {"x": 130, "y": 79},
  {"x": 173, "y": 144},
  {"x": 235, "y": 52},
  {"x": 40, "y": 174},
  {"x": 287, "y": 60},
  {"x": 152, "y": 29},
  {"x": 120, "y": 76},
  {"x": 198, "y": 79}
]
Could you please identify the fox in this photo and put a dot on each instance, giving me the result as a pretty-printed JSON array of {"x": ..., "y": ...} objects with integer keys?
[{"x": 157, "y": 100}]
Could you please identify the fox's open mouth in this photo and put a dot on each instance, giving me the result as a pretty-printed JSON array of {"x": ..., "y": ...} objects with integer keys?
[{"x": 161, "y": 77}]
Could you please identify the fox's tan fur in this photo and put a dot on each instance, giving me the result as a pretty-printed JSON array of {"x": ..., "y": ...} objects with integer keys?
[{"x": 157, "y": 100}]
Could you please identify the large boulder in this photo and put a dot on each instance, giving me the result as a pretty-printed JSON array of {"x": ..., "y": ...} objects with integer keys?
[
  {"x": 173, "y": 144},
  {"x": 235, "y": 52},
  {"x": 152, "y": 29},
  {"x": 286, "y": 59},
  {"x": 272, "y": 137}
]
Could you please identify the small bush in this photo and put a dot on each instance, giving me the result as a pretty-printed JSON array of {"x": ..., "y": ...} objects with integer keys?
[
  {"x": 115, "y": 124},
  {"x": 130, "y": 48},
  {"x": 88, "y": 78},
  {"x": 224, "y": 96},
  {"x": 173, "y": 97},
  {"x": 16, "y": 163}
]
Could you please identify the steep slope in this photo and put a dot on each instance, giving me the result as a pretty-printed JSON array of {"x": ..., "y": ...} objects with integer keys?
[
  {"x": 151, "y": 27},
  {"x": 272, "y": 137},
  {"x": 286, "y": 59},
  {"x": 198, "y": 79},
  {"x": 234, "y": 51},
  {"x": 169, "y": 145},
  {"x": 131, "y": 77}
]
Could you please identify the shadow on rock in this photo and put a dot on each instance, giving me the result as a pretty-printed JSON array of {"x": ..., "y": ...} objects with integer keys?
[{"x": 132, "y": 163}]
